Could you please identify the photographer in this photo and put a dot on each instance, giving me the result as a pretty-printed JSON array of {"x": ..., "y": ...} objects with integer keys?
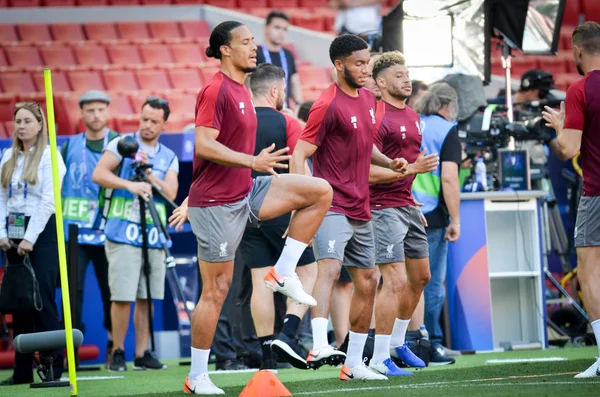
[
  {"x": 27, "y": 200},
  {"x": 577, "y": 127},
  {"x": 80, "y": 199},
  {"x": 123, "y": 233}
]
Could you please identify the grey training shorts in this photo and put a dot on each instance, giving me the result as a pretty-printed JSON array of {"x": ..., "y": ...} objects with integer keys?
[
  {"x": 347, "y": 240},
  {"x": 219, "y": 229},
  {"x": 399, "y": 231},
  {"x": 587, "y": 227}
]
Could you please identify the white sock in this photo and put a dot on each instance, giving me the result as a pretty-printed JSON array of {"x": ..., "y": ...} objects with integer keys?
[
  {"x": 356, "y": 345},
  {"x": 399, "y": 332},
  {"x": 596, "y": 328},
  {"x": 199, "y": 362},
  {"x": 292, "y": 251},
  {"x": 319, "y": 331},
  {"x": 381, "y": 351}
]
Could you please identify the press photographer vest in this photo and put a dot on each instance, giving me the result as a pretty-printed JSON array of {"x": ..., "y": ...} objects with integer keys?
[
  {"x": 123, "y": 218},
  {"x": 426, "y": 187},
  {"x": 80, "y": 196}
]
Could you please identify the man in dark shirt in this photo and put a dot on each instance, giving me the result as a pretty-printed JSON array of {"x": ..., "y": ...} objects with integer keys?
[
  {"x": 224, "y": 197},
  {"x": 577, "y": 128},
  {"x": 260, "y": 247},
  {"x": 339, "y": 137},
  {"x": 272, "y": 51}
]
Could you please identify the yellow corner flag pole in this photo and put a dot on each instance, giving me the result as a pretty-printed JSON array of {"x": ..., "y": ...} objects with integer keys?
[{"x": 60, "y": 233}]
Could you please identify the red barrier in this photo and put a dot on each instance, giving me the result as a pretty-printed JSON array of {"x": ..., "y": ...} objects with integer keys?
[{"x": 86, "y": 353}]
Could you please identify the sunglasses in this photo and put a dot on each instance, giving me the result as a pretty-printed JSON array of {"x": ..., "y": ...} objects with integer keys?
[{"x": 157, "y": 100}]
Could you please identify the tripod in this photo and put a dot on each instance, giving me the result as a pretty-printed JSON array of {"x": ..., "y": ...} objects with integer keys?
[{"x": 163, "y": 237}]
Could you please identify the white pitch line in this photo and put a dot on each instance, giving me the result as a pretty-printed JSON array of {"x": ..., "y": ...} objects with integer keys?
[
  {"x": 93, "y": 378},
  {"x": 525, "y": 360},
  {"x": 241, "y": 371}
]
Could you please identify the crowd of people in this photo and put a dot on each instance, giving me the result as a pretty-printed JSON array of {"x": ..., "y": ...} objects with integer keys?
[{"x": 346, "y": 208}]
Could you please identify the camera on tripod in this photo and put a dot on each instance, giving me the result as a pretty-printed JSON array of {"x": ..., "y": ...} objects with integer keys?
[{"x": 128, "y": 147}]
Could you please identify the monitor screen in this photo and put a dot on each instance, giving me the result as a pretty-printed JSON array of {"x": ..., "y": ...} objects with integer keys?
[{"x": 514, "y": 170}]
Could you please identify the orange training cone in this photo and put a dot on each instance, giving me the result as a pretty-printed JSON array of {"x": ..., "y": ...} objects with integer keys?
[{"x": 265, "y": 384}]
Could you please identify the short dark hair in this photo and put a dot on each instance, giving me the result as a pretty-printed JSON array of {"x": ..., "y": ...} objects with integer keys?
[
  {"x": 387, "y": 60},
  {"x": 418, "y": 85},
  {"x": 276, "y": 14},
  {"x": 221, "y": 35},
  {"x": 158, "y": 103},
  {"x": 587, "y": 36},
  {"x": 264, "y": 74},
  {"x": 343, "y": 46},
  {"x": 304, "y": 110}
]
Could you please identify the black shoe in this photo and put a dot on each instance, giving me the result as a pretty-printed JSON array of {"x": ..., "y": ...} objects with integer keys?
[
  {"x": 117, "y": 362},
  {"x": 289, "y": 350},
  {"x": 438, "y": 359},
  {"x": 268, "y": 364},
  {"x": 147, "y": 361},
  {"x": 229, "y": 365},
  {"x": 11, "y": 381}
]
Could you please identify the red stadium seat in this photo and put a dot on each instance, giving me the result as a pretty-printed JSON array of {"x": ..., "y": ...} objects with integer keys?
[
  {"x": 120, "y": 104},
  {"x": 177, "y": 123},
  {"x": 3, "y": 60},
  {"x": 34, "y": 32},
  {"x": 85, "y": 80},
  {"x": 3, "y": 133},
  {"x": 564, "y": 81},
  {"x": 314, "y": 3},
  {"x": 153, "y": 79},
  {"x": 123, "y": 2},
  {"x": 9, "y": 127},
  {"x": 572, "y": 12},
  {"x": 90, "y": 55},
  {"x": 120, "y": 80},
  {"x": 566, "y": 32},
  {"x": 156, "y": 2},
  {"x": 70, "y": 104},
  {"x": 591, "y": 10},
  {"x": 8, "y": 33},
  {"x": 101, "y": 31},
  {"x": 188, "y": 53},
  {"x": 183, "y": 103},
  {"x": 124, "y": 55},
  {"x": 552, "y": 64},
  {"x": 253, "y": 3},
  {"x": 156, "y": 53},
  {"x": 67, "y": 32},
  {"x": 278, "y": 4},
  {"x": 126, "y": 124},
  {"x": 92, "y": 2},
  {"x": 25, "y": 3},
  {"x": 328, "y": 16},
  {"x": 23, "y": 56},
  {"x": 59, "y": 81},
  {"x": 195, "y": 29},
  {"x": 186, "y": 79},
  {"x": 521, "y": 64},
  {"x": 259, "y": 12},
  {"x": 191, "y": 2},
  {"x": 7, "y": 107},
  {"x": 17, "y": 83},
  {"x": 208, "y": 72},
  {"x": 314, "y": 77},
  {"x": 59, "y": 3},
  {"x": 164, "y": 30},
  {"x": 133, "y": 30},
  {"x": 57, "y": 56},
  {"x": 309, "y": 21},
  {"x": 221, "y": 3}
]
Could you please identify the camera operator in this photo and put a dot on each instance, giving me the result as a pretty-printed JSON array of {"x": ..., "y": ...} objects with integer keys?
[
  {"x": 577, "y": 127},
  {"x": 80, "y": 199},
  {"x": 123, "y": 233},
  {"x": 27, "y": 202}
]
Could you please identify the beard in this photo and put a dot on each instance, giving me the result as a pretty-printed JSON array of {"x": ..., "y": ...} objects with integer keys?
[
  {"x": 279, "y": 104},
  {"x": 397, "y": 93},
  {"x": 579, "y": 68},
  {"x": 248, "y": 69},
  {"x": 350, "y": 79}
]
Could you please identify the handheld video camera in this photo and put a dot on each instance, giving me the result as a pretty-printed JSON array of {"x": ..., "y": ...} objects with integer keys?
[{"x": 128, "y": 147}]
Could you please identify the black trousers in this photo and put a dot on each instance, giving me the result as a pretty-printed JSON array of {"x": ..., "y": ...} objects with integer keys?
[
  {"x": 97, "y": 255},
  {"x": 44, "y": 260}
]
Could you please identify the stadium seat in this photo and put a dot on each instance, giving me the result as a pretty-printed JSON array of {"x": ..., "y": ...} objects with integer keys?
[
  {"x": 135, "y": 31},
  {"x": 92, "y": 2},
  {"x": 85, "y": 80},
  {"x": 120, "y": 80},
  {"x": 120, "y": 104},
  {"x": 7, "y": 106},
  {"x": 188, "y": 53},
  {"x": 314, "y": 77},
  {"x": 185, "y": 79},
  {"x": 3, "y": 132},
  {"x": 328, "y": 16},
  {"x": 564, "y": 81},
  {"x": 59, "y": 3},
  {"x": 124, "y": 55},
  {"x": 191, "y": 2},
  {"x": 278, "y": 4},
  {"x": 33, "y": 32},
  {"x": 17, "y": 83},
  {"x": 57, "y": 56},
  {"x": 164, "y": 29},
  {"x": 153, "y": 79},
  {"x": 101, "y": 31},
  {"x": 521, "y": 64},
  {"x": 252, "y": 3},
  {"x": 183, "y": 103},
  {"x": 156, "y": 53},
  {"x": 259, "y": 12},
  {"x": 314, "y": 3},
  {"x": 566, "y": 32},
  {"x": 25, "y": 3},
  {"x": 195, "y": 29},
  {"x": 23, "y": 56},
  {"x": 67, "y": 32},
  {"x": 178, "y": 122},
  {"x": 567, "y": 58},
  {"x": 591, "y": 10},
  {"x": 8, "y": 34},
  {"x": 59, "y": 81},
  {"x": 308, "y": 21},
  {"x": 3, "y": 60},
  {"x": 123, "y": 2},
  {"x": 208, "y": 72},
  {"x": 70, "y": 106},
  {"x": 126, "y": 124},
  {"x": 552, "y": 64},
  {"x": 90, "y": 55},
  {"x": 156, "y": 2},
  {"x": 572, "y": 12},
  {"x": 221, "y": 3}
]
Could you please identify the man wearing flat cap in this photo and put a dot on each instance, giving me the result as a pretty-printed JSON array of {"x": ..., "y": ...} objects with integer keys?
[{"x": 81, "y": 197}]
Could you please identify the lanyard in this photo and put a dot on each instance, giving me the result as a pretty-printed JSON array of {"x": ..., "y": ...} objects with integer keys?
[
  {"x": 84, "y": 156},
  {"x": 283, "y": 60},
  {"x": 10, "y": 192}
]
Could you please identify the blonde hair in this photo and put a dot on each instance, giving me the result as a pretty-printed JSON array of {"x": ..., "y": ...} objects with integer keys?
[
  {"x": 438, "y": 96},
  {"x": 386, "y": 60},
  {"x": 30, "y": 169}
]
